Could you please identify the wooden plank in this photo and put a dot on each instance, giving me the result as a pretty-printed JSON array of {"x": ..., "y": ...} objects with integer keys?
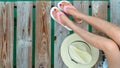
[
  {"x": 42, "y": 48},
  {"x": 6, "y": 35},
  {"x": 83, "y": 7},
  {"x": 99, "y": 9},
  {"x": 59, "y": 35},
  {"x": 115, "y": 13},
  {"x": 24, "y": 35}
]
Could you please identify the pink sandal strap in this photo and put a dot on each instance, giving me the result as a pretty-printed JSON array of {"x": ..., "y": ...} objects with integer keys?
[
  {"x": 68, "y": 6},
  {"x": 58, "y": 15}
]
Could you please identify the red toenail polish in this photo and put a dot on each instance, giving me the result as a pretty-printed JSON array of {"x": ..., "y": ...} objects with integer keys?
[
  {"x": 60, "y": 4},
  {"x": 54, "y": 9}
]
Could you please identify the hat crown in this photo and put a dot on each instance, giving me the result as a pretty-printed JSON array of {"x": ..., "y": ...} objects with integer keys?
[
  {"x": 69, "y": 51},
  {"x": 80, "y": 52}
]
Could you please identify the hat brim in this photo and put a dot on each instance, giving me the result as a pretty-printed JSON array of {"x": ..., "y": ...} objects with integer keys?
[{"x": 66, "y": 58}]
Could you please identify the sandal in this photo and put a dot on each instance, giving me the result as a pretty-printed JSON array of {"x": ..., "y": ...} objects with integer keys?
[
  {"x": 65, "y": 9},
  {"x": 58, "y": 15}
]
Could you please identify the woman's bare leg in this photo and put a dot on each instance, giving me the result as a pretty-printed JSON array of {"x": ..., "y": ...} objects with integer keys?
[
  {"x": 110, "y": 48},
  {"x": 111, "y": 30}
]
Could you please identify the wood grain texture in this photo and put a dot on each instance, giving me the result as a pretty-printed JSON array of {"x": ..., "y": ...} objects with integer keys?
[
  {"x": 6, "y": 35},
  {"x": 42, "y": 48},
  {"x": 59, "y": 35},
  {"x": 99, "y": 9},
  {"x": 82, "y": 7},
  {"x": 115, "y": 12},
  {"x": 24, "y": 35}
]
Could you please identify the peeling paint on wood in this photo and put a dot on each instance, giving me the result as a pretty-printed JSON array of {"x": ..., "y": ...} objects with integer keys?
[
  {"x": 6, "y": 35},
  {"x": 42, "y": 48},
  {"x": 24, "y": 35}
]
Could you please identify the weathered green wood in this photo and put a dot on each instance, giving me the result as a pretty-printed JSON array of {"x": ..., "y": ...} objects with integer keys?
[
  {"x": 59, "y": 35},
  {"x": 99, "y": 9},
  {"x": 24, "y": 34},
  {"x": 115, "y": 12},
  {"x": 43, "y": 23},
  {"x": 6, "y": 35},
  {"x": 83, "y": 7}
]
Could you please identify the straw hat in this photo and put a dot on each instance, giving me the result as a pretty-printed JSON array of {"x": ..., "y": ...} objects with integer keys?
[{"x": 77, "y": 53}]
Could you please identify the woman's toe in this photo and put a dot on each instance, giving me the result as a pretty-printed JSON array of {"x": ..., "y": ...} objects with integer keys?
[{"x": 55, "y": 13}]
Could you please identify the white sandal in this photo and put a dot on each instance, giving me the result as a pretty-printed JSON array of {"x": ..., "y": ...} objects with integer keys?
[{"x": 58, "y": 15}]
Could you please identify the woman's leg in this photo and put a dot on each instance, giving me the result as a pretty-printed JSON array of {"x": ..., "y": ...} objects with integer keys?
[
  {"x": 111, "y": 30},
  {"x": 110, "y": 48}
]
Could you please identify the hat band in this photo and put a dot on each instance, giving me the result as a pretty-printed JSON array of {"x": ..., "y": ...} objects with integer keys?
[{"x": 69, "y": 51}]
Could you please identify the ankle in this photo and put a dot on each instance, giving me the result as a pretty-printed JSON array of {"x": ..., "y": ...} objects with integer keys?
[{"x": 81, "y": 16}]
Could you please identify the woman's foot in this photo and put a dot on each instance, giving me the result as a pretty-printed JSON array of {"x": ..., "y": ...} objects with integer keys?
[
  {"x": 69, "y": 9},
  {"x": 59, "y": 16}
]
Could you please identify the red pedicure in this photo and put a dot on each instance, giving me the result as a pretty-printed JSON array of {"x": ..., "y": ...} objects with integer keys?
[
  {"x": 60, "y": 4},
  {"x": 55, "y": 9}
]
